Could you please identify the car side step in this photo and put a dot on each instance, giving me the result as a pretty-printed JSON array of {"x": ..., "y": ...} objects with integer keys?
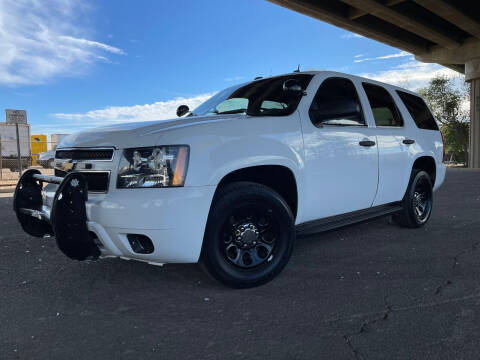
[{"x": 337, "y": 221}]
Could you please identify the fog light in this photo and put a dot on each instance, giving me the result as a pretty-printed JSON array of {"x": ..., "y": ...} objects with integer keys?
[{"x": 141, "y": 244}]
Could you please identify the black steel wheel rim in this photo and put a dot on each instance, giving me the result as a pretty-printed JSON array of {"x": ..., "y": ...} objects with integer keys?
[
  {"x": 249, "y": 236},
  {"x": 422, "y": 200}
]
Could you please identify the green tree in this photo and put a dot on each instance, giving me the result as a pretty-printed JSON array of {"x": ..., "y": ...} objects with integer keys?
[{"x": 447, "y": 101}]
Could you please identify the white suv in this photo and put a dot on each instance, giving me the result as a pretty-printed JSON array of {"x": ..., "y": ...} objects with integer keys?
[{"x": 232, "y": 182}]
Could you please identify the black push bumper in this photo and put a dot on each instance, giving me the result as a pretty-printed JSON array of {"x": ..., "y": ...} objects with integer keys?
[{"x": 66, "y": 219}]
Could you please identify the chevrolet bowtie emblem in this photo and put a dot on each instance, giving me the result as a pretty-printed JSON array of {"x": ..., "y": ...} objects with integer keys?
[{"x": 68, "y": 166}]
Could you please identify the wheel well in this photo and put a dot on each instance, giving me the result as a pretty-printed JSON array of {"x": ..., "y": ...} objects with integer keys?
[
  {"x": 279, "y": 178},
  {"x": 427, "y": 164}
]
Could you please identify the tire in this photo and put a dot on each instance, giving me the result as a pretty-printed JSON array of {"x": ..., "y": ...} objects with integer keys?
[
  {"x": 249, "y": 235},
  {"x": 50, "y": 164},
  {"x": 417, "y": 202}
]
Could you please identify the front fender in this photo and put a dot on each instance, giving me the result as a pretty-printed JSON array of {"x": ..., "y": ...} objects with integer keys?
[
  {"x": 217, "y": 149},
  {"x": 238, "y": 155}
]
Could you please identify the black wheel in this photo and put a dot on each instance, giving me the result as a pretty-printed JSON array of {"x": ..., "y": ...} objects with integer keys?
[
  {"x": 50, "y": 164},
  {"x": 249, "y": 236},
  {"x": 417, "y": 202}
]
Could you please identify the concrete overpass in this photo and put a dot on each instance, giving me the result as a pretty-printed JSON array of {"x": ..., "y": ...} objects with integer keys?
[{"x": 446, "y": 32}]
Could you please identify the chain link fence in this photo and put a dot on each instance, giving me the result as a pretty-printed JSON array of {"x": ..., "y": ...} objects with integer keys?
[{"x": 34, "y": 154}]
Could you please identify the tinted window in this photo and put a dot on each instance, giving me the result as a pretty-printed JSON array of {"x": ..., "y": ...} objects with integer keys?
[
  {"x": 419, "y": 111},
  {"x": 264, "y": 97},
  {"x": 336, "y": 103},
  {"x": 384, "y": 110},
  {"x": 232, "y": 105}
]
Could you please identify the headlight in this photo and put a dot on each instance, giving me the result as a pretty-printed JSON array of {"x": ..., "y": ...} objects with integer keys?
[{"x": 153, "y": 167}]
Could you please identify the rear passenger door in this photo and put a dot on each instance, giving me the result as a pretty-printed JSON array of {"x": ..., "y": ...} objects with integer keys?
[
  {"x": 341, "y": 160},
  {"x": 393, "y": 144}
]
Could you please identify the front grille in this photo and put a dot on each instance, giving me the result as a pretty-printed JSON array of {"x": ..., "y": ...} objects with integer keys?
[
  {"x": 97, "y": 180},
  {"x": 60, "y": 173},
  {"x": 87, "y": 154}
]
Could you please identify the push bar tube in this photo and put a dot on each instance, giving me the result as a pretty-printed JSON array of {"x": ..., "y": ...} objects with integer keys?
[
  {"x": 67, "y": 218},
  {"x": 49, "y": 179}
]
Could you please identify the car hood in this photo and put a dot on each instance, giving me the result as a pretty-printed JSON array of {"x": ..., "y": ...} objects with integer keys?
[
  {"x": 47, "y": 155},
  {"x": 135, "y": 134}
]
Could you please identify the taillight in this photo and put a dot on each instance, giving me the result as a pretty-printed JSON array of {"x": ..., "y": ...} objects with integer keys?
[{"x": 444, "y": 157}]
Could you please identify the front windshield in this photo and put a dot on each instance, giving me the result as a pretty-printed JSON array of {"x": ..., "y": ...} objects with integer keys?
[{"x": 259, "y": 98}]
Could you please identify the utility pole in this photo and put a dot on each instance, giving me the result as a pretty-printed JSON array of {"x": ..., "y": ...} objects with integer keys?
[
  {"x": 17, "y": 117},
  {"x": 18, "y": 152}
]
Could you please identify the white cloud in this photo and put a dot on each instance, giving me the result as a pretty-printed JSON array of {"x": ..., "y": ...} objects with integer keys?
[
  {"x": 411, "y": 75},
  {"x": 358, "y": 56},
  {"x": 349, "y": 36},
  {"x": 159, "y": 110},
  {"x": 384, "y": 57},
  {"x": 92, "y": 44},
  {"x": 39, "y": 41}
]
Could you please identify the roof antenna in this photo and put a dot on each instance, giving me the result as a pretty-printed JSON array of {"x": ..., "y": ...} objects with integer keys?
[{"x": 298, "y": 69}]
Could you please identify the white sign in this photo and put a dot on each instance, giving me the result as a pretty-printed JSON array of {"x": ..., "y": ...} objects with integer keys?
[{"x": 16, "y": 116}]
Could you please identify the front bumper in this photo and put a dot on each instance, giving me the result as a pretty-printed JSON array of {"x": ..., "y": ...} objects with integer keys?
[{"x": 172, "y": 218}]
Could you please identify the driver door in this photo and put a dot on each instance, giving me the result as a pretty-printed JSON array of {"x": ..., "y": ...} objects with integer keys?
[{"x": 341, "y": 155}]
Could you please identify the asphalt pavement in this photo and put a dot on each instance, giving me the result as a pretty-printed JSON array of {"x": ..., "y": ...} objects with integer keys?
[{"x": 367, "y": 291}]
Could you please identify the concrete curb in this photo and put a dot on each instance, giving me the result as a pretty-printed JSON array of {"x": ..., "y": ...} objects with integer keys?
[{"x": 7, "y": 189}]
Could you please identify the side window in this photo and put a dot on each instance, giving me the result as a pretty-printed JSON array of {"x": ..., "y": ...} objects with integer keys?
[
  {"x": 271, "y": 107},
  {"x": 232, "y": 104},
  {"x": 385, "y": 112},
  {"x": 419, "y": 111},
  {"x": 336, "y": 103}
]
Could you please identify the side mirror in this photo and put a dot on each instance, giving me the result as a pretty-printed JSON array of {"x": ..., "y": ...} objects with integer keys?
[
  {"x": 293, "y": 88},
  {"x": 182, "y": 110}
]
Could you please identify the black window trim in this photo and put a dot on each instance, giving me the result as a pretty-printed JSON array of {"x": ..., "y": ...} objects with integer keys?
[
  {"x": 394, "y": 103},
  {"x": 365, "y": 124},
  {"x": 398, "y": 91}
]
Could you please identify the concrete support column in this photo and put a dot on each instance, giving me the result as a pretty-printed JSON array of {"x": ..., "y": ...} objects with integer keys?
[{"x": 472, "y": 75}]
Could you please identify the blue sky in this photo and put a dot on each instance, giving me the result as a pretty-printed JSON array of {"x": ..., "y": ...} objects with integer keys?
[{"x": 78, "y": 64}]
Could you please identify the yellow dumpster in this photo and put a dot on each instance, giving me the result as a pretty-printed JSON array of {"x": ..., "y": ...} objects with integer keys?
[{"x": 39, "y": 145}]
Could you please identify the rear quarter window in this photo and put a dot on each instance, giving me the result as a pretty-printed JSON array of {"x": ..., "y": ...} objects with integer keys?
[{"x": 418, "y": 110}]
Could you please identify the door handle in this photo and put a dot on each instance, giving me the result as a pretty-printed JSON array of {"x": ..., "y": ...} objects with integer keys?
[
  {"x": 408, "y": 141},
  {"x": 367, "y": 143}
]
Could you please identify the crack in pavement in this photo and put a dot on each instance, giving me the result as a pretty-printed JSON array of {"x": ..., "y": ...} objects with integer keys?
[
  {"x": 384, "y": 315},
  {"x": 388, "y": 309},
  {"x": 395, "y": 309},
  {"x": 456, "y": 257},
  {"x": 357, "y": 355},
  {"x": 364, "y": 328}
]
